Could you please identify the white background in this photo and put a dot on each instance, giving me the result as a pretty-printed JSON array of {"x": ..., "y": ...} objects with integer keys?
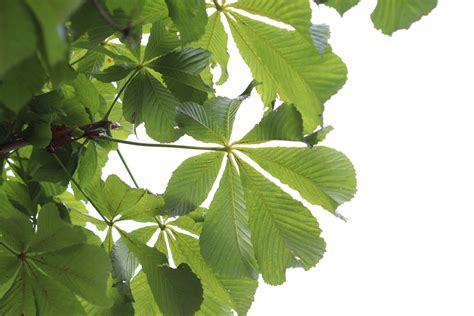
[{"x": 405, "y": 120}]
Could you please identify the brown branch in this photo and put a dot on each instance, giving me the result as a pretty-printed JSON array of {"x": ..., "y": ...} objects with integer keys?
[{"x": 62, "y": 135}]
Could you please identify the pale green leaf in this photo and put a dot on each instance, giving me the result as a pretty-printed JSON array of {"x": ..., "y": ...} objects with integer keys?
[
  {"x": 283, "y": 230},
  {"x": 114, "y": 197},
  {"x": 284, "y": 123},
  {"x": 190, "y": 17},
  {"x": 296, "y": 13},
  {"x": 163, "y": 39},
  {"x": 390, "y": 16},
  {"x": 215, "y": 41},
  {"x": 144, "y": 302},
  {"x": 212, "y": 122},
  {"x": 323, "y": 176},
  {"x": 195, "y": 121},
  {"x": 225, "y": 238},
  {"x": 191, "y": 182},
  {"x": 288, "y": 65},
  {"x": 341, "y": 6},
  {"x": 234, "y": 293}
]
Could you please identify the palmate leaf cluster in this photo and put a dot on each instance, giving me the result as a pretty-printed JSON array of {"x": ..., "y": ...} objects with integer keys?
[{"x": 77, "y": 77}]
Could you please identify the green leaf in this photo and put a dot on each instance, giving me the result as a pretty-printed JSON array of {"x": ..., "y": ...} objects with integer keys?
[
  {"x": 86, "y": 93},
  {"x": 215, "y": 41},
  {"x": 63, "y": 261},
  {"x": 147, "y": 100},
  {"x": 212, "y": 122},
  {"x": 288, "y": 65},
  {"x": 181, "y": 69},
  {"x": 79, "y": 213},
  {"x": 191, "y": 182},
  {"x": 13, "y": 95},
  {"x": 296, "y": 13},
  {"x": 113, "y": 73},
  {"x": 9, "y": 267},
  {"x": 88, "y": 164},
  {"x": 124, "y": 263},
  {"x": 225, "y": 238},
  {"x": 284, "y": 123},
  {"x": 283, "y": 231},
  {"x": 163, "y": 39},
  {"x": 42, "y": 166},
  {"x": 143, "y": 296},
  {"x": 190, "y": 17},
  {"x": 323, "y": 176},
  {"x": 226, "y": 292},
  {"x": 51, "y": 15},
  {"x": 176, "y": 291},
  {"x": 195, "y": 121},
  {"x": 17, "y": 34},
  {"x": 341, "y": 6},
  {"x": 19, "y": 300},
  {"x": 39, "y": 134},
  {"x": 318, "y": 136},
  {"x": 115, "y": 197},
  {"x": 390, "y": 16}
]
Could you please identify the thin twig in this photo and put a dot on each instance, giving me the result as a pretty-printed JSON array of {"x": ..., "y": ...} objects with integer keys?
[
  {"x": 127, "y": 142},
  {"x": 128, "y": 169},
  {"x": 80, "y": 188},
  {"x": 106, "y": 117}
]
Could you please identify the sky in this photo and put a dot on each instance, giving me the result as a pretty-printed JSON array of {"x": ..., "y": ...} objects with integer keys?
[{"x": 404, "y": 118}]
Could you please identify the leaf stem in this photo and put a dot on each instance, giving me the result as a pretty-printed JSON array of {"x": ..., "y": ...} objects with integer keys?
[
  {"x": 128, "y": 169},
  {"x": 127, "y": 142},
  {"x": 80, "y": 188},
  {"x": 218, "y": 6},
  {"x": 9, "y": 249},
  {"x": 106, "y": 117}
]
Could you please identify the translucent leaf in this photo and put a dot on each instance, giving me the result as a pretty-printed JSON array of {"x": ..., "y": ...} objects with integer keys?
[
  {"x": 323, "y": 176},
  {"x": 282, "y": 229},
  {"x": 215, "y": 41},
  {"x": 163, "y": 39},
  {"x": 393, "y": 15},
  {"x": 225, "y": 238},
  {"x": 341, "y": 6},
  {"x": 288, "y": 65},
  {"x": 285, "y": 123},
  {"x": 234, "y": 293},
  {"x": 296, "y": 13},
  {"x": 191, "y": 182},
  {"x": 190, "y": 17}
]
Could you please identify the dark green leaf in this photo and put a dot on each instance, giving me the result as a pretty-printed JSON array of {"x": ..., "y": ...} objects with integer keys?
[
  {"x": 147, "y": 100},
  {"x": 17, "y": 34}
]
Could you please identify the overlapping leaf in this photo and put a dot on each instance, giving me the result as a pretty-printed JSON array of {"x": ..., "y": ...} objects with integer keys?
[
  {"x": 50, "y": 266},
  {"x": 288, "y": 66}
]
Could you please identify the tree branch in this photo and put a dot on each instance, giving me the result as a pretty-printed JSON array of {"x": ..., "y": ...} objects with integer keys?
[{"x": 127, "y": 142}]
